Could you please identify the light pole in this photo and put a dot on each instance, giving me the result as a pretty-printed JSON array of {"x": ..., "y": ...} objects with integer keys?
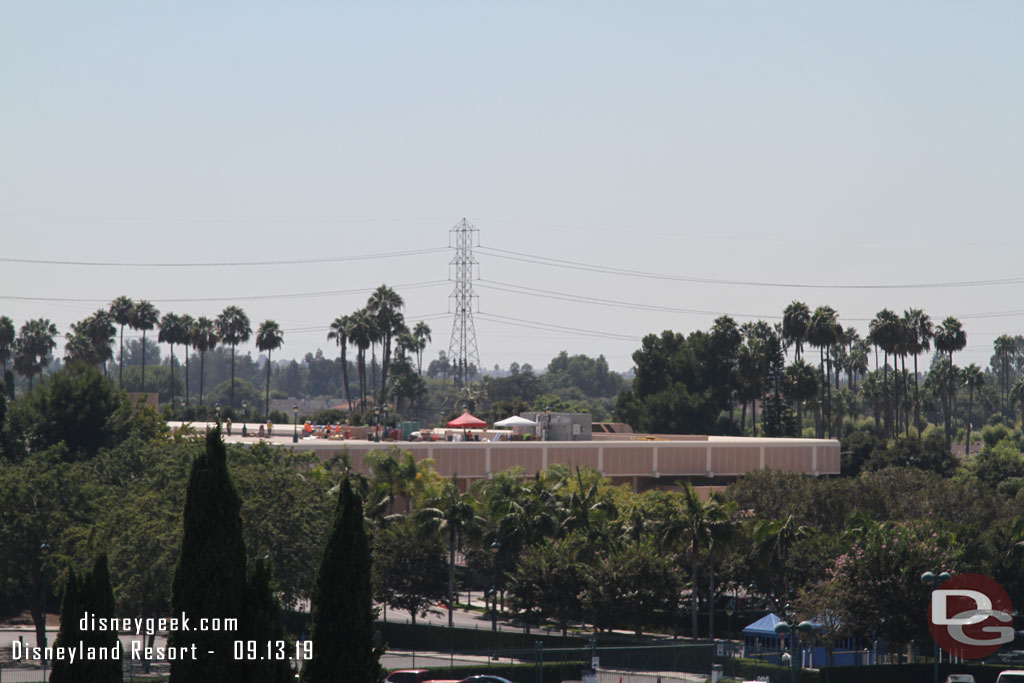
[
  {"x": 495, "y": 549},
  {"x": 245, "y": 417},
  {"x": 295, "y": 433},
  {"x": 376, "y": 425},
  {"x": 794, "y": 641},
  {"x": 385, "y": 422},
  {"x": 929, "y": 579},
  {"x": 182, "y": 411},
  {"x": 44, "y": 552},
  {"x": 217, "y": 408}
]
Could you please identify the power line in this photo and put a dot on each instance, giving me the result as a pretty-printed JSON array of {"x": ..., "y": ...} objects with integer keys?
[
  {"x": 255, "y": 297},
  {"x": 226, "y": 264},
  {"x": 575, "y": 265},
  {"x": 547, "y": 327}
]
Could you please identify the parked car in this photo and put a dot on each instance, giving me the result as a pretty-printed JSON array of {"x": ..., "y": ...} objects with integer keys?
[
  {"x": 408, "y": 676},
  {"x": 1011, "y": 676},
  {"x": 485, "y": 678},
  {"x": 959, "y": 678}
]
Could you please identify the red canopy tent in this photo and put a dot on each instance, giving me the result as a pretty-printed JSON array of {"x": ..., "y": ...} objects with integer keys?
[{"x": 467, "y": 421}]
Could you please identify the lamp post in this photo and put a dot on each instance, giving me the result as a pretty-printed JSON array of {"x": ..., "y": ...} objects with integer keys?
[
  {"x": 932, "y": 581},
  {"x": 245, "y": 417},
  {"x": 183, "y": 404},
  {"x": 385, "y": 408},
  {"x": 44, "y": 552},
  {"x": 295, "y": 433},
  {"x": 217, "y": 408},
  {"x": 376, "y": 425},
  {"x": 794, "y": 644},
  {"x": 730, "y": 607},
  {"x": 495, "y": 549}
]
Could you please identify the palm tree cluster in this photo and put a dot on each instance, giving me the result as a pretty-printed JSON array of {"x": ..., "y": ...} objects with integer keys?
[{"x": 381, "y": 322}]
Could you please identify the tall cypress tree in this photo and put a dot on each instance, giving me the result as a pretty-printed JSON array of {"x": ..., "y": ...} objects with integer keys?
[
  {"x": 92, "y": 593},
  {"x": 342, "y": 613},
  {"x": 261, "y": 619},
  {"x": 209, "y": 580},
  {"x": 98, "y": 599},
  {"x": 69, "y": 634}
]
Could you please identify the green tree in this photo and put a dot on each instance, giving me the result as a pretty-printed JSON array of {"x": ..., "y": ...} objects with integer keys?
[
  {"x": 452, "y": 513},
  {"x": 70, "y": 633},
  {"x": 795, "y": 321},
  {"x": 342, "y": 605},
  {"x": 172, "y": 332},
  {"x": 823, "y": 332},
  {"x": 362, "y": 331},
  {"x": 883, "y": 334},
  {"x": 801, "y": 386},
  {"x": 975, "y": 379},
  {"x": 269, "y": 337},
  {"x": 386, "y": 305},
  {"x": 144, "y": 317},
  {"x": 210, "y": 579},
  {"x": 409, "y": 567},
  {"x": 922, "y": 332},
  {"x": 950, "y": 338},
  {"x": 1005, "y": 346},
  {"x": 547, "y": 584},
  {"x": 261, "y": 621},
  {"x": 233, "y": 329},
  {"x": 121, "y": 309},
  {"x": 33, "y": 347},
  {"x": 204, "y": 338},
  {"x": 339, "y": 334},
  {"x": 421, "y": 333},
  {"x": 74, "y": 408},
  {"x": 187, "y": 323}
]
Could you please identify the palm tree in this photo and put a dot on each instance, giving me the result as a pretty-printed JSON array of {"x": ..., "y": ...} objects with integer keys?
[
  {"x": 882, "y": 333},
  {"x": 1017, "y": 396},
  {"x": 233, "y": 329},
  {"x": 361, "y": 333},
  {"x": 1005, "y": 346},
  {"x": 204, "y": 338},
  {"x": 921, "y": 340},
  {"x": 187, "y": 323},
  {"x": 339, "y": 333},
  {"x": 795, "y": 320},
  {"x": 801, "y": 385},
  {"x": 950, "y": 338},
  {"x": 90, "y": 340},
  {"x": 975, "y": 378},
  {"x": 707, "y": 526},
  {"x": 455, "y": 514},
  {"x": 122, "y": 308},
  {"x": 7, "y": 336},
  {"x": 171, "y": 333},
  {"x": 421, "y": 333},
  {"x": 33, "y": 346},
  {"x": 387, "y": 306},
  {"x": 269, "y": 337},
  {"x": 774, "y": 541},
  {"x": 823, "y": 332},
  {"x": 144, "y": 317}
]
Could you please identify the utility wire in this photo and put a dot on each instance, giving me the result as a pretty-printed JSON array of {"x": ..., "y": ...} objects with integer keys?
[
  {"x": 547, "y": 327},
  {"x": 575, "y": 265},
  {"x": 226, "y": 264},
  {"x": 255, "y": 297}
]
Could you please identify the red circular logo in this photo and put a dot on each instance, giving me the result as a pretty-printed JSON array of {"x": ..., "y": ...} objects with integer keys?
[{"x": 970, "y": 616}]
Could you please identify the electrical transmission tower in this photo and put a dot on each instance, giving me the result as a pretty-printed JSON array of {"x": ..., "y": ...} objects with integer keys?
[{"x": 462, "y": 350}]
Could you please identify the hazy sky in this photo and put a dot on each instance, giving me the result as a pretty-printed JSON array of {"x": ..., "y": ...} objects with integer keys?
[{"x": 772, "y": 143}]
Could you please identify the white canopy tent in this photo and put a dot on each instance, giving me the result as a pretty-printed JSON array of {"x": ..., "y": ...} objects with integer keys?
[{"x": 515, "y": 421}]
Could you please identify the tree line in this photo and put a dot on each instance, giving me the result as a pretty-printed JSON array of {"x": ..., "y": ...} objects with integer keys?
[{"x": 695, "y": 383}]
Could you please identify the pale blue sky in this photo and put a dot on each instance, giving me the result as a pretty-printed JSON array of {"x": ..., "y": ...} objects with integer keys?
[{"x": 784, "y": 142}]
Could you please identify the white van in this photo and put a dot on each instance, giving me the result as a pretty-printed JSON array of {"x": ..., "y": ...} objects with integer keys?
[{"x": 1014, "y": 676}]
